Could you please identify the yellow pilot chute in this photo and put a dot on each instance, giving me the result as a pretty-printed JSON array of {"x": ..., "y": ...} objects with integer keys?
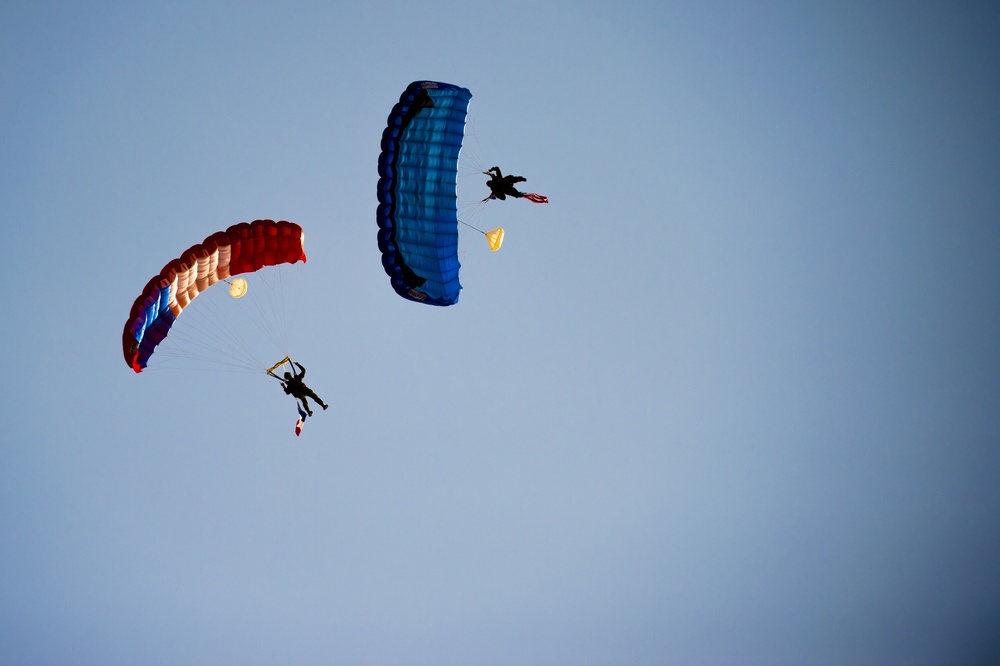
[
  {"x": 237, "y": 287},
  {"x": 495, "y": 238}
]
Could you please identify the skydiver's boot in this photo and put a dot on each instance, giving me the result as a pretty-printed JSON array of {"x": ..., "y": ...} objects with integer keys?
[{"x": 323, "y": 405}]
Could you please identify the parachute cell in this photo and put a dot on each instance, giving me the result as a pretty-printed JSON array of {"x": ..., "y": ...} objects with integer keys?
[
  {"x": 417, "y": 192},
  {"x": 242, "y": 248}
]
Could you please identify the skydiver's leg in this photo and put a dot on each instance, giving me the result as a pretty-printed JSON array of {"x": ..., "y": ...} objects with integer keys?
[
  {"x": 316, "y": 398},
  {"x": 301, "y": 397}
]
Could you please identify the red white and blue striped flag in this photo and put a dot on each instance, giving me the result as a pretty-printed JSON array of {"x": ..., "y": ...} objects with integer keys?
[{"x": 301, "y": 421}]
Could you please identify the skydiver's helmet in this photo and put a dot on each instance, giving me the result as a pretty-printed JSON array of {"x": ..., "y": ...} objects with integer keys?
[{"x": 288, "y": 376}]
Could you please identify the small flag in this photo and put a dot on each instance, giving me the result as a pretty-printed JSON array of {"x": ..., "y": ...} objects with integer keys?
[
  {"x": 302, "y": 419},
  {"x": 536, "y": 198}
]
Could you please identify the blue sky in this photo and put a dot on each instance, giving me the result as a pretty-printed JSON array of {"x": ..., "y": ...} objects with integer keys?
[{"x": 732, "y": 397}]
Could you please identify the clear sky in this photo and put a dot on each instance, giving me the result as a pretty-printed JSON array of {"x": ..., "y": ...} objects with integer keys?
[{"x": 732, "y": 397}]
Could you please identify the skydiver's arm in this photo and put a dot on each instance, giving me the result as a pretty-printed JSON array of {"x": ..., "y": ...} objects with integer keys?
[{"x": 302, "y": 368}]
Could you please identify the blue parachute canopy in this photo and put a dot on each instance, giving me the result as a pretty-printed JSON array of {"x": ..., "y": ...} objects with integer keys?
[{"x": 418, "y": 192}]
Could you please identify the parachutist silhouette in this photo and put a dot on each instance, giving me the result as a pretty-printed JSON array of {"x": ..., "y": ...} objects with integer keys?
[
  {"x": 295, "y": 387},
  {"x": 502, "y": 186}
]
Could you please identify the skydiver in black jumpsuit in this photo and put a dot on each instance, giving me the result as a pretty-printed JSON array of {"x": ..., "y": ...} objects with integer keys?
[
  {"x": 295, "y": 387},
  {"x": 502, "y": 186}
]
